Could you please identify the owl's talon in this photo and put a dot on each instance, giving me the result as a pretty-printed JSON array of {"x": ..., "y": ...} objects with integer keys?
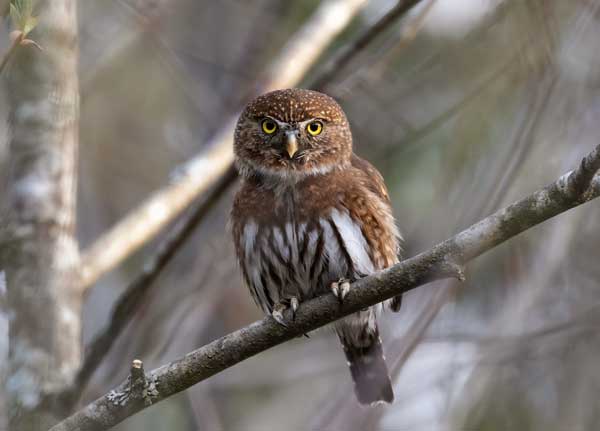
[
  {"x": 294, "y": 304},
  {"x": 278, "y": 316},
  {"x": 344, "y": 289},
  {"x": 277, "y": 313},
  {"x": 340, "y": 288},
  {"x": 335, "y": 289}
]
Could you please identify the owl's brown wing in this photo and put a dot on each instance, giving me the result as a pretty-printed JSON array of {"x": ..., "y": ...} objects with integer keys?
[
  {"x": 371, "y": 206},
  {"x": 361, "y": 192},
  {"x": 372, "y": 177}
]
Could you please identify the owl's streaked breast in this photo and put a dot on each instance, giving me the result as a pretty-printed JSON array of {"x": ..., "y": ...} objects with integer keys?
[{"x": 301, "y": 259}]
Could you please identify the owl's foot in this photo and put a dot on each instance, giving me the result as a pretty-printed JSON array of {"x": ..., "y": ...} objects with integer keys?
[
  {"x": 293, "y": 303},
  {"x": 340, "y": 288},
  {"x": 277, "y": 313}
]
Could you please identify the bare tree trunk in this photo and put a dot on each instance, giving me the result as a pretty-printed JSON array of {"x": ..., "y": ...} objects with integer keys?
[{"x": 40, "y": 256}]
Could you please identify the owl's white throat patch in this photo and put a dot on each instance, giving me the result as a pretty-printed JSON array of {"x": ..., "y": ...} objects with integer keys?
[{"x": 287, "y": 176}]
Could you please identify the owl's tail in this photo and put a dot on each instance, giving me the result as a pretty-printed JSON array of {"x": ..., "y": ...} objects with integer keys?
[{"x": 364, "y": 352}]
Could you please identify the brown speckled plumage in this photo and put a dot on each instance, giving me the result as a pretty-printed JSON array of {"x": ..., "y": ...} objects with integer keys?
[{"x": 302, "y": 221}]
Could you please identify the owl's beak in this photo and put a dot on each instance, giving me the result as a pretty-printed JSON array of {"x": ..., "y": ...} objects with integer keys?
[{"x": 291, "y": 144}]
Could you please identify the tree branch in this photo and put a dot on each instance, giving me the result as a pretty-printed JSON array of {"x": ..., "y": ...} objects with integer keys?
[
  {"x": 580, "y": 181},
  {"x": 442, "y": 261}
]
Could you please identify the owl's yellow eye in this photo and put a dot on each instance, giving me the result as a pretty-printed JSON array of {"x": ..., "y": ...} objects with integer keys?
[
  {"x": 314, "y": 128},
  {"x": 269, "y": 126}
]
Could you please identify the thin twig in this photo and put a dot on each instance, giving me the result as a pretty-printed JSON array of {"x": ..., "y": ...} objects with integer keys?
[
  {"x": 375, "y": 67},
  {"x": 584, "y": 321},
  {"x": 411, "y": 141},
  {"x": 436, "y": 263},
  {"x": 407, "y": 36},
  {"x": 363, "y": 41}
]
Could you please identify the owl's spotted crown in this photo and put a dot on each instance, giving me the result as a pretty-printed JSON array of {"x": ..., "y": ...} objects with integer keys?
[
  {"x": 288, "y": 134},
  {"x": 295, "y": 104}
]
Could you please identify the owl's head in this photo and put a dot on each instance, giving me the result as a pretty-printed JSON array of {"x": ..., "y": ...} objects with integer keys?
[{"x": 292, "y": 133}]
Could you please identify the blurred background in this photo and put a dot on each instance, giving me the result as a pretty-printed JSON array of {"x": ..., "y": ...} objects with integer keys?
[{"x": 484, "y": 102}]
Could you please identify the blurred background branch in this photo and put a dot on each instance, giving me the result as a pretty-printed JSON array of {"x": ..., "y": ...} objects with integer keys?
[{"x": 380, "y": 26}]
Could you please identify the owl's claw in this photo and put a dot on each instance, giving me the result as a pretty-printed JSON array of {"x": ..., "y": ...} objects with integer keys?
[
  {"x": 277, "y": 314},
  {"x": 293, "y": 303},
  {"x": 340, "y": 288}
]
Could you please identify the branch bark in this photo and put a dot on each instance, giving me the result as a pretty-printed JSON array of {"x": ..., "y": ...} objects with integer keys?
[
  {"x": 39, "y": 251},
  {"x": 200, "y": 173},
  {"x": 442, "y": 261}
]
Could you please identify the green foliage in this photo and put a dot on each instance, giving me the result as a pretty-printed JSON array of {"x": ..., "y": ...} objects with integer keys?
[{"x": 21, "y": 15}]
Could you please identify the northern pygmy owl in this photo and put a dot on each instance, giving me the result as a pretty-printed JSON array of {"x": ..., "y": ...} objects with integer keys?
[{"x": 310, "y": 217}]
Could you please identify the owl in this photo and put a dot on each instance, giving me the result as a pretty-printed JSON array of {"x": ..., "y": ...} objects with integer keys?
[{"x": 310, "y": 217}]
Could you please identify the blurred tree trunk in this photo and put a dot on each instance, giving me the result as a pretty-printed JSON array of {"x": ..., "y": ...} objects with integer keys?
[{"x": 43, "y": 297}]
